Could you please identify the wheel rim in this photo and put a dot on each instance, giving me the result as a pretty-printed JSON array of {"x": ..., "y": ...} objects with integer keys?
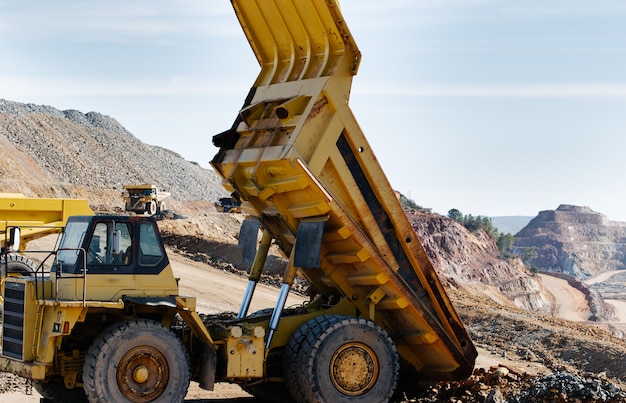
[
  {"x": 354, "y": 369},
  {"x": 142, "y": 374}
]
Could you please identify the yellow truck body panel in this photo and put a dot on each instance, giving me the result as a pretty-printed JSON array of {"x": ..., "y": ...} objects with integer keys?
[{"x": 37, "y": 217}]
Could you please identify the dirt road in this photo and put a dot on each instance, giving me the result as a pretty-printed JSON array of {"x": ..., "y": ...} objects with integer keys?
[
  {"x": 220, "y": 291},
  {"x": 599, "y": 278},
  {"x": 569, "y": 303}
]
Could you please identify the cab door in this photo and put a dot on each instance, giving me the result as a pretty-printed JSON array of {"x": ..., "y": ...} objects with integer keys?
[{"x": 107, "y": 253}]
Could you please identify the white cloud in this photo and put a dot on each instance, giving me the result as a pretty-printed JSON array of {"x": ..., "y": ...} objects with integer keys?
[
  {"x": 69, "y": 21},
  {"x": 19, "y": 87},
  {"x": 505, "y": 90},
  {"x": 180, "y": 85}
]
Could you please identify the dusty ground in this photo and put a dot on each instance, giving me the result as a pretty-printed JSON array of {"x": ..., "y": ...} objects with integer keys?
[
  {"x": 612, "y": 286},
  {"x": 569, "y": 303},
  {"x": 519, "y": 351}
]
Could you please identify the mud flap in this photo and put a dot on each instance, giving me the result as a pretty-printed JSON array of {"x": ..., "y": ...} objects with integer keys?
[
  {"x": 248, "y": 239},
  {"x": 208, "y": 367},
  {"x": 309, "y": 243}
]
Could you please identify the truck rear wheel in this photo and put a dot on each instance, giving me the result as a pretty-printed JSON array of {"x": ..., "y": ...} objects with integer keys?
[
  {"x": 341, "y": 359},
  {"x": 161, "y": 207},
  {"x": 136, "y": 361}
]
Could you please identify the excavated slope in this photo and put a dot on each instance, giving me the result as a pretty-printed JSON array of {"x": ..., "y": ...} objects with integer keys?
[{"x": 46, "y": 152}]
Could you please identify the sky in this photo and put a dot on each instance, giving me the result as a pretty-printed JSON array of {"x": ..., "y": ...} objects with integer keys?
[{"x": 490, "y": 107}]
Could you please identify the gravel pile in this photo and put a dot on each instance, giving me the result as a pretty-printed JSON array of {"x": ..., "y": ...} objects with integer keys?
[
  {"x": 566, "y": 387},
  {"x": 10, "y": 383},
  {"x": 94, "y": 151},
  {"x": 509, "y": 385}
]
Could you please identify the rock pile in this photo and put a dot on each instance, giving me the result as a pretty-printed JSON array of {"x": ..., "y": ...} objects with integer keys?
[
  {"x": 509, "y": 385},
  {"x": 566, "y": 387},
  {"x": 10, "y": 383},
  {"x": 66, "y": 149}
]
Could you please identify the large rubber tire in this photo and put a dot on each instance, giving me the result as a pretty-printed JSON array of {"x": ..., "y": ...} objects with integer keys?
[
  {"x": 161, "y": 207},
  {"x": 151, "y": 208},
  {"x": 19, "y": 265},
  {"x": 341, "y": 359},
  {"x": 138, "y": 360},
  {"x": 54, "y": 390}
]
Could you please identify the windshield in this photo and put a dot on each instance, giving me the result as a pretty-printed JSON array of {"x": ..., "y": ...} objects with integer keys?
[{"x": 72, "y": 238}]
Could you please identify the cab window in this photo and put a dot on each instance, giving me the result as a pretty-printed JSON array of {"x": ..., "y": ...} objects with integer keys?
[
  {"x": 100, "y": 251},
  {"x": 125, "y": 256},
  {"x": 69, "y": 250},
  {"x": 150, "y": 251}
]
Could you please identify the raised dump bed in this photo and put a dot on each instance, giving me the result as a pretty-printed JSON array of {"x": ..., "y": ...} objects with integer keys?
[{"x": 298, "y": 159}]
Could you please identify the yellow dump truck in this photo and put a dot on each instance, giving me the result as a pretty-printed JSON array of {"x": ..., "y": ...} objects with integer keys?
[
  {"x": 105, "y": 322},
  {"x": 144, "y": 198},
  {"x": 307, "y": 177}
]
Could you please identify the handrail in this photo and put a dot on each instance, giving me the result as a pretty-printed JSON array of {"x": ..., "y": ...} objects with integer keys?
[{"x": 59, "y": 275}]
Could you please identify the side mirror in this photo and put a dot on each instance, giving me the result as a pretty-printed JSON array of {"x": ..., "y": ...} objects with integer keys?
[
  {"x": 15, "y": 238},
  {"x": 117, "y": 235}
]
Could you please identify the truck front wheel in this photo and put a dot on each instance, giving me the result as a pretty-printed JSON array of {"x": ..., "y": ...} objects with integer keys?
[
  {"x": 151, "y": 207},
  {"x": 136, "y": 361},
  {"x": 342, "y": 359}
]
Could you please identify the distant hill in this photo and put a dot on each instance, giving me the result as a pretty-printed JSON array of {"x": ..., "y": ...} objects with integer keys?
[
  {"x": 575, "y": 240},
  {"x": 471, "y": 259},
  {"x": 45, "y": 152},
  {"x": 510, "y": 224}
]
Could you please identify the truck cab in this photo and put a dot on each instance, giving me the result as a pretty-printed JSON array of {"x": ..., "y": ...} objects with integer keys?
[
  {"x": 108, "y": 281},
  {"x": 120, "y": 255}
]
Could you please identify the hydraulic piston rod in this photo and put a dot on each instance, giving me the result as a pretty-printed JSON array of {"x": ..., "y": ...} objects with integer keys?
[{"x": 255, "y": 272}]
